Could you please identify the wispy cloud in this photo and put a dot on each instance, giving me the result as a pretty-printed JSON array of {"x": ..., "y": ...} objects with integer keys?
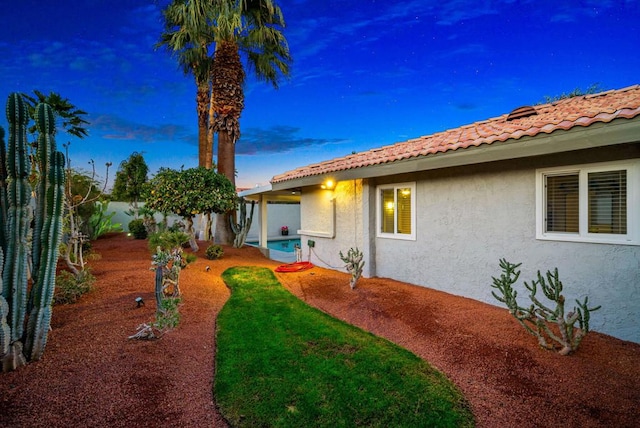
[
  {"x": 277, "y": 139},
  {"x": 115, "y": 128}
]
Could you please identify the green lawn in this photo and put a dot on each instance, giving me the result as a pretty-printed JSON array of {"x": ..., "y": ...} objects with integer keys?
[{"x": 280, "y": 362}]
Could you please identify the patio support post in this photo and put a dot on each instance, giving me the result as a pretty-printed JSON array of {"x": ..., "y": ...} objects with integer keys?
[{"x": 264, "y": 222}]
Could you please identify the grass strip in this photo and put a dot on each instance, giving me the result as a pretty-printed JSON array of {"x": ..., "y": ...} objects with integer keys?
[{"x": 283, "y": 363}]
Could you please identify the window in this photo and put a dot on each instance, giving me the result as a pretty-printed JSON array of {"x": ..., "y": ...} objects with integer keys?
[
  {"x": 589, "y": 203},
  {"x": 396, "y": 211}
]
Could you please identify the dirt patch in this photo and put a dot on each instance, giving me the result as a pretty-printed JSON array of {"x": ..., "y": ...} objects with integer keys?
[{"x": 92, "y": 376}]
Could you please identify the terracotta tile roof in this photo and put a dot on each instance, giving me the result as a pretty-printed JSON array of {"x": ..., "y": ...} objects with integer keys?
[{"x": 564, "y": 114}]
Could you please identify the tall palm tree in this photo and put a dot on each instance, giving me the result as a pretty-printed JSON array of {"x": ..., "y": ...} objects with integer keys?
[
  {"x": 235, "y": 27},
  {"x": 188, "y": 34},
  {"x": 253, "y": 28}
]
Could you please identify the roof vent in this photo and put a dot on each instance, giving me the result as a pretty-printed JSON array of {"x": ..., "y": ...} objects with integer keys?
[{"x": 521, "y": 112}]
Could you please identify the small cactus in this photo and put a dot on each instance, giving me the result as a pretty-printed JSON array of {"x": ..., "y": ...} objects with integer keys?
[
  {"x": 536, "y": 318},
  {"x": 354, "y": 265}
]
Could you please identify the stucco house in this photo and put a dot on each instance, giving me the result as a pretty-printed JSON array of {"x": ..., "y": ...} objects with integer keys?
[{"x": 552, "y": 185}]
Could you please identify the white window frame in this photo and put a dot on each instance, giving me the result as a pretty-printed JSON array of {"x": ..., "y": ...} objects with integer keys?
[
  {"x": 395, "y": 235},
  {"x": 632, "y": 237}
]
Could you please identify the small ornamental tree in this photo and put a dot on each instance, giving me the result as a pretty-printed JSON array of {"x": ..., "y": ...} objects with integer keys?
[
  {"x": 131, "y": 178},
  {"x": 188, "y": 193}
]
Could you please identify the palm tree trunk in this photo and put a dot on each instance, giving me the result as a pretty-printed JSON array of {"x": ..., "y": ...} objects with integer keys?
[
  {"x": 210, "y": 133},
  {"x": 227, "y": 156},
  {"x": 202, "y": 108},
  {"x": 226, "y": 166}
]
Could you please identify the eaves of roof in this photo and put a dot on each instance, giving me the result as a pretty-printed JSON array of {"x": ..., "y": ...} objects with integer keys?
[{"x": 565, "y": 125}]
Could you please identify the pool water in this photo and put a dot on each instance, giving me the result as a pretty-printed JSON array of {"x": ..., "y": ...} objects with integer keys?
[{"x": 286, "y": 245}]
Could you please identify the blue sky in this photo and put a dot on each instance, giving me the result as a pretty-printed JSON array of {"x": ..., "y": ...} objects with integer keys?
[{"x": 366, "y": 73}]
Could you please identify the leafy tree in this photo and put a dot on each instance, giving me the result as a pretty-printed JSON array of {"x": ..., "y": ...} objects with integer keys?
[
  {"x": 130, "y": 180},
  {"x": 188, "y": 193}
]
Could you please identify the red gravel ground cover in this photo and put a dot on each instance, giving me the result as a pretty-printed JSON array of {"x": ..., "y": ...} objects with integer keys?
[{"x": 92, "y": 376}]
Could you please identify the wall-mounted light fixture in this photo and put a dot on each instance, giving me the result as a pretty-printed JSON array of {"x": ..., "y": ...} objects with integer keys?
[{"x": 328, "y": 184}]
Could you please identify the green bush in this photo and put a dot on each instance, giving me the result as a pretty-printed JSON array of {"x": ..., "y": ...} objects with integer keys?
[
  {"x": 167, "y": 240},
  {"x": 214, "y": 252},
  {"x": 137, "y": 229},
  {"x": 69, "y": 288},
  {"x": 190, "y": 258}
]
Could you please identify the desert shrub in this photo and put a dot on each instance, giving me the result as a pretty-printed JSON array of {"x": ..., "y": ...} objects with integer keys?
[
  {"x": 190, "y": 258},
  {"x": 138, "y": 229},
  {"x": 70, "y": 287},
  {"x": 214, "y": 252},
  {"x": 168, "y": 316},
  {"x": 167, "y": 240}
]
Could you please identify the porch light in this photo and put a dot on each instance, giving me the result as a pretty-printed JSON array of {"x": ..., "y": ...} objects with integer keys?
[{"x": 328, "y": 184}]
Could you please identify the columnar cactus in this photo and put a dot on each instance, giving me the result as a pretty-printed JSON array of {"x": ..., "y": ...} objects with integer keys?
[
  {"x": 14, "y": 274},
  {"x": 47, "y": 233},
  {"x": 242, "y": 228},
  {"x": 3, "y": 193},
  {"x": 23, "y": 306}
]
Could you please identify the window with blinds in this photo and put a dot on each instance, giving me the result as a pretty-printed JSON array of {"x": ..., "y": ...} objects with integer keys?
[
  {"x": 387, "y": 211},
  {"x": 608, "y": 202},
  {"x": 396, "y": 211},
  {"x": 403, "y": 198},
  {"x": 562, "y": 203},
  {"x": 592, "y": 203}
]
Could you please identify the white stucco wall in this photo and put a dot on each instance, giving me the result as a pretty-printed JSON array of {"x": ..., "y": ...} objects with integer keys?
[
  {"x": 466, "y": 221},
  {"x": 333, "y": 219},
  {"x": 121, "y": 208},
  {"x": 278, "y": 215}
]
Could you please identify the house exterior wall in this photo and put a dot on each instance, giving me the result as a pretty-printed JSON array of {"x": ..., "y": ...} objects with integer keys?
[
  {"x": 333, "y": 220},
  {"x": 470, "y": 217}
]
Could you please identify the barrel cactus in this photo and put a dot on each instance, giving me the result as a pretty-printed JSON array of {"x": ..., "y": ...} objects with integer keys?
[{"x": 29, "y": 241}]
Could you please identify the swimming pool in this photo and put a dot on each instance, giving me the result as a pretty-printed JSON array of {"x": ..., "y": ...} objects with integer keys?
[{"x": 285, "y": 245}]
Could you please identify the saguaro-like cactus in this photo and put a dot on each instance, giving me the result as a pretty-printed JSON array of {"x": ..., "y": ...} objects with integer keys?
[
  {"x": 14, "y": 274},
  {"x": 47, "y": 233},
  {"x": 23, "y": 305},
  {"x": 3, "y": 194},
  {"x": 242, "y": 228}
]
